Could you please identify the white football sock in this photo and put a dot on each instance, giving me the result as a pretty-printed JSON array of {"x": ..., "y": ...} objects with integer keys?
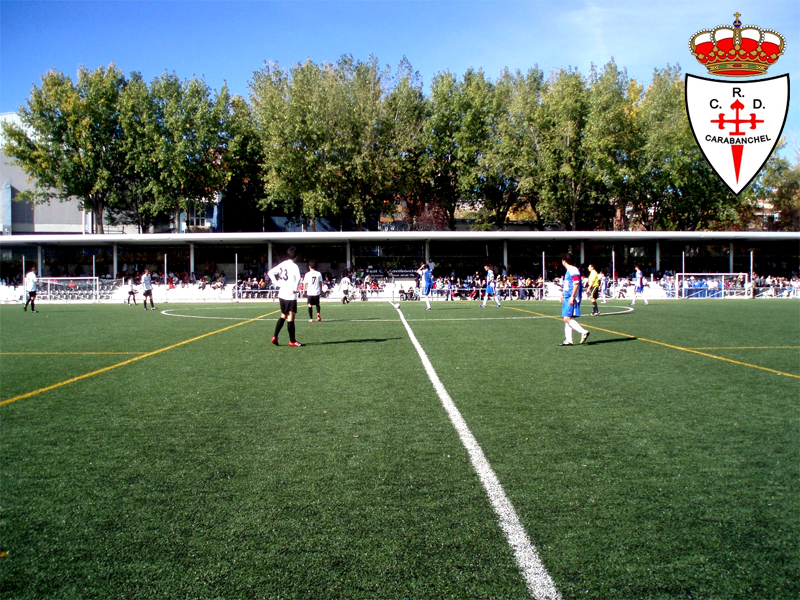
[{"x": 577, "y": 326}]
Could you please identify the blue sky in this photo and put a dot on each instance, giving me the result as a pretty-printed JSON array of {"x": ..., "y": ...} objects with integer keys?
[{"x": 228, "y": 41}]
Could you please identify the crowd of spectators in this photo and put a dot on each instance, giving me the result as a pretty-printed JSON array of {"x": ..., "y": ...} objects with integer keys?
[
  {"x": 471, "y": 287},
  {"x": 717, "y": 286},
  {"x": 457, "y": 286}
]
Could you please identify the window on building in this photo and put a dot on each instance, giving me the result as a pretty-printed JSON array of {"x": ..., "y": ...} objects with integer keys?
[{"x": 196, "y": 216}]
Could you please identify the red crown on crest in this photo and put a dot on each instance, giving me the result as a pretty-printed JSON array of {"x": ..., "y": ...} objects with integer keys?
[{"x": 736, "y": 50}]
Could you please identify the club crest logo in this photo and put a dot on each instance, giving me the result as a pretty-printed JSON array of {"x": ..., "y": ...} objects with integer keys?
[{"x": 737, "y": 124}]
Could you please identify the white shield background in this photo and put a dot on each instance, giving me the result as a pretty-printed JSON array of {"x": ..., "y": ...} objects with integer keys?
[{"x": 706, "y": 99}]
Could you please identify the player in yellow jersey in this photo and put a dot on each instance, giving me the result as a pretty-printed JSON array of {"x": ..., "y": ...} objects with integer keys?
[{"x": 593, "y": 289}]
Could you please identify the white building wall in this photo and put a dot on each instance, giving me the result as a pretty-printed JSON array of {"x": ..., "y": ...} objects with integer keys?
[{"x": 23, "y": 217}]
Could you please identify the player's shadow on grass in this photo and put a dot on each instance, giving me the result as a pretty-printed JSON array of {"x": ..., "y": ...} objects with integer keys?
[
  {"x": 360, "y": 341},
  {"x": 595, "y": 342}
]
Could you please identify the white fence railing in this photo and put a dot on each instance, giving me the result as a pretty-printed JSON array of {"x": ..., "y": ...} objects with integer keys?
[{"x": 112, "y": 292}]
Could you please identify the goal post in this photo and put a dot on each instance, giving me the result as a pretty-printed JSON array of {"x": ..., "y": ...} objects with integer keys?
[
  {"x": 75, "y": 289},
  {"x": 712, "y": 285}
]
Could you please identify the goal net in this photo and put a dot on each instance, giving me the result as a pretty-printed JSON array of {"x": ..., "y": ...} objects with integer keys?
[
  {"x": 712, "y": 285},
  {"x": 75, "y": 289}
]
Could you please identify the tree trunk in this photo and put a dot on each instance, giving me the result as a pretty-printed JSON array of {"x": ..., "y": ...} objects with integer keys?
[{"x": 98, "y": 220}]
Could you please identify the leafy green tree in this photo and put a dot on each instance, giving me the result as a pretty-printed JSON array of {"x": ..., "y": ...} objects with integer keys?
[
  {"x": 188, "y": 139},
  {"x": 508, "y": 164},
  {"x": 133, "y": 200},
  {"x": 320, "y": 134},
  {"x": 566, "y": 175},
  {"x": 684, "y": 192},
  {"x": 613, "y": 142},
  {"x": 242, "y": 160},
  {"x": 175, "y": 135},
  {"x": 455, "y": 135},
  {"x": 480, "y": 115},
  {"x": 441, "y": 141},
  {"x": 401, "y": 135},
  {"x": 69, "y": 141},
  {"x": 779, "y": 185}
]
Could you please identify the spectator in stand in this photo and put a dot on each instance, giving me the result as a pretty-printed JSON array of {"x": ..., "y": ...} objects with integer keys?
[
  {"x": 448, "y": 289},
  {"x": 525, "y": 288}
]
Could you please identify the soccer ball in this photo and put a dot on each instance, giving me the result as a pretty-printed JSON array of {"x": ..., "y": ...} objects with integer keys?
[{"x": 396, "y": 305}]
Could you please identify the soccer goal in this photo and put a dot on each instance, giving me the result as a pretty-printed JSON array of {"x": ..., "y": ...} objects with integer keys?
[
  {"x": 712, "y": 285},
  {"x": 75, "y": 289}
]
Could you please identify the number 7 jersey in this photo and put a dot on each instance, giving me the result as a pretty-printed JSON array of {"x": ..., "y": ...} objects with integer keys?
[{"x": 312, "y": 282}]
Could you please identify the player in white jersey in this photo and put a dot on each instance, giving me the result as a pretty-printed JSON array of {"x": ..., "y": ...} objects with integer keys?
[
  {"x": 571, "y": 307},
  {"x": 426, "y": 283},
  {"x": 31, "y": 281},
  {"x": 490, "y": 291},
  {"x": 147, "y": 284},
  {"x": 344, "y": 285},
  {"x": 312, "y": 285},
  {"x": 286, "y": 276},
  {"x": 131, "y": 291}
]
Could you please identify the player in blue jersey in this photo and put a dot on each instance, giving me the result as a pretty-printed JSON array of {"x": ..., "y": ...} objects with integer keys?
[
  {"x": 490, "y": 291},
  {"x": 638, "y": 285},
  {"x": 426, "y": 283},
  {"x": 571, "y": 307}
]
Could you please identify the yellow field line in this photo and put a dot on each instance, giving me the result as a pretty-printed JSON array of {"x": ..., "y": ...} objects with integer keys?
[
  {"x": 129, "y": 361},
  {"x": 749, "y": 348},
  {"x": 665, "y": 345}
]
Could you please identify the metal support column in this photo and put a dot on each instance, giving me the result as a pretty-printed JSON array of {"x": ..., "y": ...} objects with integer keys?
[
  {"x": 730, "y": 259},
  {"x": 658, "y": 256}
]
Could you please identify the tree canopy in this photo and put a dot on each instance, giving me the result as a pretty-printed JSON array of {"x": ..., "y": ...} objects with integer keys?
[{"x": 352, "y": 141}]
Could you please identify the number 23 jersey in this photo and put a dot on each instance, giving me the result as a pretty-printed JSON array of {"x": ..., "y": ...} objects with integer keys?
[{"x": 287, "y": 277}]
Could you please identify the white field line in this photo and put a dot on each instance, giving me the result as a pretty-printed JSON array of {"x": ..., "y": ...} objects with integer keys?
[
  {"x": 540, "y": 584},
  {"x": 171, "y": 312}
]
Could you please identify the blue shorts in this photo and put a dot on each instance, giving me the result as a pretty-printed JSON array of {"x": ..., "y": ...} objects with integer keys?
[
  {"x": 490, "y": 289},
  {"x": 427, "y": 289},
  {"x": 570, "y": 310},
  {"x": 639, "y": 289}
]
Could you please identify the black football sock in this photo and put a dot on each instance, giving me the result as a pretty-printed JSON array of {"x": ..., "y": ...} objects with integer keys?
[{"x": 279, "y": 326}]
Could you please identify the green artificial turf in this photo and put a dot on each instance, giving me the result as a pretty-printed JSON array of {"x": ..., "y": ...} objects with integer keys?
[{"x": 193, "y": 459}]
